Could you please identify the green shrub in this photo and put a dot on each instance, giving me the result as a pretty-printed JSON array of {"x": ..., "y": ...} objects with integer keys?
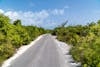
[{"x": 85, "y": 41}]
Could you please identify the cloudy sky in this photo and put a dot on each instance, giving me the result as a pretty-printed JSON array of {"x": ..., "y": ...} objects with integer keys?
[{"x": 51, "y": 13}]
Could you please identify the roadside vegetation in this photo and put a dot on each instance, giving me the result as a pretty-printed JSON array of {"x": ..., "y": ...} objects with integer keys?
[
  {"x": 85, "y": 42},
  {"x": 13, "y": 35}
]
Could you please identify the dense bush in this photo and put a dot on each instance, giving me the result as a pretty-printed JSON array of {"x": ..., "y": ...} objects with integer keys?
[
  {"x": 85, "y": 41},
  {"x": 12, "y": 36}
]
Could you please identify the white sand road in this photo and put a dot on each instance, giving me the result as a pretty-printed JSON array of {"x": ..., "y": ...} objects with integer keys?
[{"x": 45, "y": 51}]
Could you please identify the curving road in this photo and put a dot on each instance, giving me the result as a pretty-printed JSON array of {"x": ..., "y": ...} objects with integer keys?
[{"x": 45, "y": 53}]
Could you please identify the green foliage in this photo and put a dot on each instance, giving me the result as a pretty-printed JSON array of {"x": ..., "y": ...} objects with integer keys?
[
  {"x": 12, "y": 36},
  {"x": 85, "y": 41},
  {"x": 4, "y": 20},
  {"x": 17, "y": 22},
  {"x": 6, "y": 50}
]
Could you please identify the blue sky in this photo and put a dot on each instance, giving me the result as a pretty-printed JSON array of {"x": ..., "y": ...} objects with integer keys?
[{"x": 51, "y": 13}]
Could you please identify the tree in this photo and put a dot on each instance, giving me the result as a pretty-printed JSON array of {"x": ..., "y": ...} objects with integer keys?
[
  {"x": 17, "y": 22},
  {"x": 98, "y": 22}
]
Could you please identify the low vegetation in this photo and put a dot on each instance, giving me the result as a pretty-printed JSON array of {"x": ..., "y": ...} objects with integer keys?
[
  {"x": 14, "y": 35},
  {"x": 85, "y": 42}
]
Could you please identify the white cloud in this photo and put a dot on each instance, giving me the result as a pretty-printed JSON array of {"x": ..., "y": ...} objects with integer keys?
[
  {"x": 28, "y": 17},
  {"x": 1, "y": 11},
  {"x": 58, "y": 11},
  {"x": 12, "y": 15},
  {"x": 38, "y": 18}
]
